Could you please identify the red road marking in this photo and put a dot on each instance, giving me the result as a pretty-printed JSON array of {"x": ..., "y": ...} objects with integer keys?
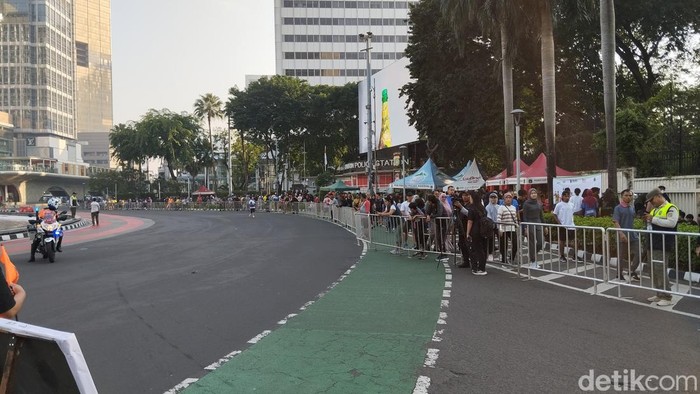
[{"x": 110, "y": 225}]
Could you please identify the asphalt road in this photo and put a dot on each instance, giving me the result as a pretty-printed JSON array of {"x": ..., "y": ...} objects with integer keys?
[{"x": 157, "y": 305}]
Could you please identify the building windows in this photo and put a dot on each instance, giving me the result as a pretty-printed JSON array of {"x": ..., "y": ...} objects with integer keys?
[
  {"x": 344, "y": 21},
  {"x": 341, "y": 55},
  {"x": 346, "y": 4},
  {"x": 81, "y": 54}
]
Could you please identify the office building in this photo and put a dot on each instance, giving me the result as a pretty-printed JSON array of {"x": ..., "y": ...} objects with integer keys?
[
  {"x": 93, "y": 80},
  {"x": 319, "y": 40},
  {"x": 55, "y": 80}
]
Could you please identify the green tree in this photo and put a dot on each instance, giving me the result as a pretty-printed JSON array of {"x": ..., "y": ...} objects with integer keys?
[
  {"x": 451, "y": 103},
  {"x": 272, "y": 111},
  {"x": 173, "y": 137},
  {"x": 129, "y": 146},
  {"x": 208, "y": 106},
  {"x": 497, "y": 20}
]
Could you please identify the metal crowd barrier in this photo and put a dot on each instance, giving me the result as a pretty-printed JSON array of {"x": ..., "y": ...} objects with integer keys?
[
  {"x": 591, "y": 253},
  {"x": 671, "y": 265}
]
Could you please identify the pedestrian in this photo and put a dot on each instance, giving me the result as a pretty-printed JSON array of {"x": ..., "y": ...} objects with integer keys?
[
  {"x": 73, "y": 204},
  {"x": 533, "y": 212},
  {"x": 663, "y": 217},
  {"x": 564, "y": 215},
  {"x": 492, "y": 213},
  {"x": 576, "y": 200},
  {"x": 437, "y": 217},
  {"x": 391, "y": 211},
  {"x": 507, "y": 230},
  {"x": 95, "y": 212},
  {"x": 450, "y": 195},
  {"x": 416, "y": 219},
  {"x": 476, "y": 211},
  {"x": 405, "y": 214},
  {"x": 589, "y": 205},
  {"x": 460, "y": 207},
  {"x": 628, "y": 245},
  {"x": 663, "y": 193},
  {"x": 251, "y": 206}
]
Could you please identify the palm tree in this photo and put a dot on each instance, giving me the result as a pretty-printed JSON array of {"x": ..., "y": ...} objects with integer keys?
[
  {"x": 607, "y": 46},
  {"x": 208, "y": 106},
  {"x": 544, "y": 14},
  {"x": 549, "y": 97},
  {"x": 495, "y": 18}
]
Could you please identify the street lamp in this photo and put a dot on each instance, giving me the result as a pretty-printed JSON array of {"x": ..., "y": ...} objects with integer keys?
[
  {"x": 517, "y": 113},
  {"x": 403, "y": 150},
  {"x": 368, "y": 39},
  {"x": 229, "y": 179}
]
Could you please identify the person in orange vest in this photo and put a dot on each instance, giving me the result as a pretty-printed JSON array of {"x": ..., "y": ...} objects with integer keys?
[
  {"x": 13, "y": 295},
  {"x": 51, "y": 210}
]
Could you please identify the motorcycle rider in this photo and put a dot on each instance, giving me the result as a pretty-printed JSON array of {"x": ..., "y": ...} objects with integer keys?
[{"x": 50, "y": 212}]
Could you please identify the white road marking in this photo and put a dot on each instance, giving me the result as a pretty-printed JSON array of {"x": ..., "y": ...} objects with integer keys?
[
  {"x": 181, "y": 386},
  {"x": 422, "y": 385},
  {"x": 259, "y": 336},
  {"x": 431, "y": 358}
]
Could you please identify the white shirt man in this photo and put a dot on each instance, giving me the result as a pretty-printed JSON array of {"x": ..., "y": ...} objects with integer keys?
[
  {"x": 95, "y": 212},
  {"x": 576, "y": 200},
  {"x": 564, "y": 215},
  {"x": 405, "y": 211}
]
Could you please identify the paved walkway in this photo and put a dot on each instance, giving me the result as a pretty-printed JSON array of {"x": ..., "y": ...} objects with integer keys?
[
  {"x": 400, "y": 325},
  {"x": 367, "y": 335}
]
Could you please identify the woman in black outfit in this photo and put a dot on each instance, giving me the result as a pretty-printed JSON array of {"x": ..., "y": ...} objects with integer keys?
[{"x": 475, "y": 211}]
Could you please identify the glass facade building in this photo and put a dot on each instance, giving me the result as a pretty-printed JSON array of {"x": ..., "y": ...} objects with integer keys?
[
  {"x": 37, "y": 67},
  {"x": 93, "y": 80},
  {"x": 55, "y": 76},
  {"x": 319, "y": 40}
]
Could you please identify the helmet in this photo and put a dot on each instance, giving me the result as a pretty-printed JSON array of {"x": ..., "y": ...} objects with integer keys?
[{"x": 54, "y": 202}]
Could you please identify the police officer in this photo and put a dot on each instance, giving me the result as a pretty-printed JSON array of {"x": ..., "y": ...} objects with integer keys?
[
  {"x": 73, "y": 204},
  {"x": 663, "y": 217},
  {"x": 52, "y": 207}
]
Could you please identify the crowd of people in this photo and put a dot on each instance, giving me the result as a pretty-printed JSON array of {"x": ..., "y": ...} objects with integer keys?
[{"x": 430, "y": 218}]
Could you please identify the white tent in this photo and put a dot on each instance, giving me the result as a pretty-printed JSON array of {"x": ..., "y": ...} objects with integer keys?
[{"x": 471, "y": 178}]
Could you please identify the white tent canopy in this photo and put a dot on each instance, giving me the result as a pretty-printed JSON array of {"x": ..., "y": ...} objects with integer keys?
[{"x": 470, "y": 179}]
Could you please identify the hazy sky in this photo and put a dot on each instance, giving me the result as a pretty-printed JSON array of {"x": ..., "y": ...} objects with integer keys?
[{"x": 166, "y": 53}]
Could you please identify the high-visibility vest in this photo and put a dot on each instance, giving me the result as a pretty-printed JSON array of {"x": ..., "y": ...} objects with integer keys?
[
  {"x": 658, "y": 241},
  {"x": 8, "y": 269}
]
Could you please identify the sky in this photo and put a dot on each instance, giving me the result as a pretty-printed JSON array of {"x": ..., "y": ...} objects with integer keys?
[{"x": 167, "y": 53}]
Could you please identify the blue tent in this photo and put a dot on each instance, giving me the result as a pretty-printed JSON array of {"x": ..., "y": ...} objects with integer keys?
[{"x": 427, "y": 177}]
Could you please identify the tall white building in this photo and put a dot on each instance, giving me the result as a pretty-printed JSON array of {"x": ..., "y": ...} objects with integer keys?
[{"x": 319, "y": 40}]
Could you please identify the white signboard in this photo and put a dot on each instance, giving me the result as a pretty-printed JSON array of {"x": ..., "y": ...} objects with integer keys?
[
  {"x": 389, "y": 117},
  {"x": 582, "y": 182}
]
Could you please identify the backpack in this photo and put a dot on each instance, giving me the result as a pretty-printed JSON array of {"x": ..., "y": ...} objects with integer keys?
[{"x": 486, "y": 227}]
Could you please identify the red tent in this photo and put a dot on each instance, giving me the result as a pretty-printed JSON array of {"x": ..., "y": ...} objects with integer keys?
[
  {"x": 203, "y": 191},
  {"x": 501, "y": 178},
  {"x": 537, "y": 173}
]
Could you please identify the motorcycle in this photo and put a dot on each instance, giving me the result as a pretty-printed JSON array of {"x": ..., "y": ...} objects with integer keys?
[{"x": 49, "y": 232}]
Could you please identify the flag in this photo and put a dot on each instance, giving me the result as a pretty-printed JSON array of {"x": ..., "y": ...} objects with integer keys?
[
  {"x": 325, "y": 158},
  {"x": 8, "y": 269}
]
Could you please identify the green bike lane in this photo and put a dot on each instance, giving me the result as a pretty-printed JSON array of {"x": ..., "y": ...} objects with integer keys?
[{"x": 369, "y": 334}]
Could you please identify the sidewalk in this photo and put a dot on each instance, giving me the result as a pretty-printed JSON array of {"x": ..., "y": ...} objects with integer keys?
[{"x": 369, "y": 334}]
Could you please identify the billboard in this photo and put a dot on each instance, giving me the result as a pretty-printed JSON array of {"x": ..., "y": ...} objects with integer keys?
[{"x": 389, "y": 118}]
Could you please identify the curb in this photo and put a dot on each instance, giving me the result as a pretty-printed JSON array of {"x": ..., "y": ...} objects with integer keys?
[{"x": 21, "y": 233}]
